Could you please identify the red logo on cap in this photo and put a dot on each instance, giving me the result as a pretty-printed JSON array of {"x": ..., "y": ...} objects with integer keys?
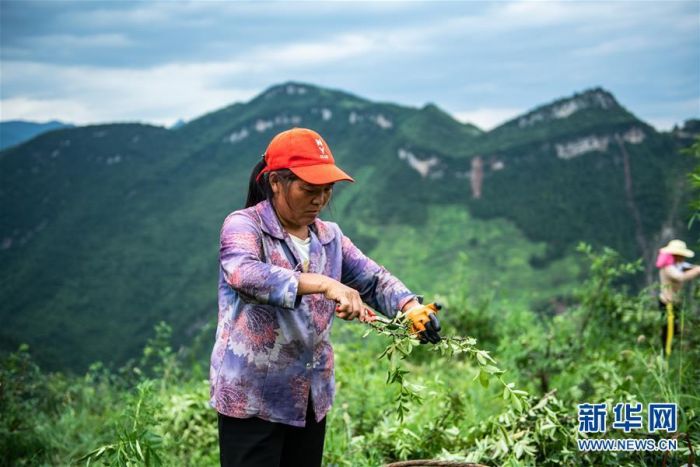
[{"x": 322, "y": 148}]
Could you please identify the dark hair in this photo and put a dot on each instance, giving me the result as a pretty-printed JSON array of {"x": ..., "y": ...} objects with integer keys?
[{"x": 259, "y": 190}]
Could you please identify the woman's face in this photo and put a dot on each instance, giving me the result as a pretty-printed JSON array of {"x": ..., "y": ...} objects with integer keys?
[{"x": 299, "y": 203}]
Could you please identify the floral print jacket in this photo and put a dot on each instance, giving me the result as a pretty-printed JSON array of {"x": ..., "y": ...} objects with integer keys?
[{"x": 272, "y": 346}]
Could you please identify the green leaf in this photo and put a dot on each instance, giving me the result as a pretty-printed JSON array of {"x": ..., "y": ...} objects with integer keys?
[
  {"x": 493, "y": 370},
  {"x": 138, "y": 449},
  {"x": 484, "y": 379},
  {"x": 517, "y": 403}
]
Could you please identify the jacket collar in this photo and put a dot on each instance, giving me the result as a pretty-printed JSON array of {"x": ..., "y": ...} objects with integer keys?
[{"x": 270, "y": 224}]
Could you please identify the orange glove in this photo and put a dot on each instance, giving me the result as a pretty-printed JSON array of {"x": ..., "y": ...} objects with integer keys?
[{"x": 424, "y": 322}]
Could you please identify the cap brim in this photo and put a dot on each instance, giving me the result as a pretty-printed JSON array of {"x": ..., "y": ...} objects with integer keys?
[{"x": 321, "y": 174}]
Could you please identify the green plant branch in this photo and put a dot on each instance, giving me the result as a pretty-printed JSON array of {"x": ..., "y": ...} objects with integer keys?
[{"x": 402, "y": 342}]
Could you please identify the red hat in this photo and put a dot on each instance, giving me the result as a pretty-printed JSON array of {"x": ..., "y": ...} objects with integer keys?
[{"x": 306, "y": 154}]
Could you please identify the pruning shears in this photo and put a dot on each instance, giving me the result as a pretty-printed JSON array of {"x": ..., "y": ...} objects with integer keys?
[
  {"x": 371, "y": 316},
  {"x": 421, "y": 318}
]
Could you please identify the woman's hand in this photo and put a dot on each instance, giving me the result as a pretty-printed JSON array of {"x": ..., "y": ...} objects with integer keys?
[
  {"x": 349, "y": 302},
  {"x": 696, "y": 271},
  {"x": 423, "y": 321}
]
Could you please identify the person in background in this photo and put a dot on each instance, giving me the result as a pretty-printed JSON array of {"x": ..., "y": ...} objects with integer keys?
[
  {"x": 674, "y": 271},
  {"x": 284, "y": 275}
]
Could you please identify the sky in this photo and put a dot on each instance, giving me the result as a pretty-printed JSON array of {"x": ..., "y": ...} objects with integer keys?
[{"x": 98, "y": 61}]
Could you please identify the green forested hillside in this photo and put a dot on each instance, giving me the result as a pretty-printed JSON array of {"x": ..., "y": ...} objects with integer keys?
[{"x": 109, "y": 229}]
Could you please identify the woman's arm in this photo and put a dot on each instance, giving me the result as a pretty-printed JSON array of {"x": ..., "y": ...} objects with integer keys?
[
  {"x": 410, "y": 304},
  {"x": 692, "y": 273},
  {"x": 349, "y": 301},
  {"x": 240, "y": 257},
  {"x": 377, "y": 286},
  {"x": 682, "y": 276}
]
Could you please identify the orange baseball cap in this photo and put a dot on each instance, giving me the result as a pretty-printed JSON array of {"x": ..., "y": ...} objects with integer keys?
[{"x": 306, "y": 154}]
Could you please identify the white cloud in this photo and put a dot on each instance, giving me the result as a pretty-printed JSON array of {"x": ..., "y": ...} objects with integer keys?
[
  {"x": 89, "y": 94},
  {"x": 664, "y": 123},
  {"x": 691, "y": 106},
  {"x": 492, "y": 58},
  {"x": 211, "y": 13},
  {"x": 140, "y": 14},
  {"x": 487, "y": 118},
  {"x": 625, "y": 44},
  {"x": 310, "y": 53},
  {"x": 535, "y": 14},
  {"x": 522, "y": 15},
  {"x": 62, "y": 41},
  {"x": 162, "y": 94},
  {"x": 661, "y": 116},
  {"x": 66, "y": 110}
]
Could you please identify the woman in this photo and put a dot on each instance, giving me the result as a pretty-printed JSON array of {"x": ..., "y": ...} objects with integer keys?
[
  {"x": 674, "y": 271},
  {"x": 284, "y": 273}
]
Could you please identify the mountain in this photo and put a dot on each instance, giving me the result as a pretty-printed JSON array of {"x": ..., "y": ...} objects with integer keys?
[
  {"x": 592, "y": 109},
  {"x": 14, "y": 132},
  {"x": 108, "y": 229},
  {"x": 179, "y": 123},
  {"x": 586, "y": 168}
]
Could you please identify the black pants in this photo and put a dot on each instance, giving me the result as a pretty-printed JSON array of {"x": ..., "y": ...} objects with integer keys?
[{"x": 253, "y": 442}]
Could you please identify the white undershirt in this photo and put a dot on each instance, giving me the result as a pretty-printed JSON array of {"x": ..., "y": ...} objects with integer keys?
[{"x": 303, "y": 247}]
